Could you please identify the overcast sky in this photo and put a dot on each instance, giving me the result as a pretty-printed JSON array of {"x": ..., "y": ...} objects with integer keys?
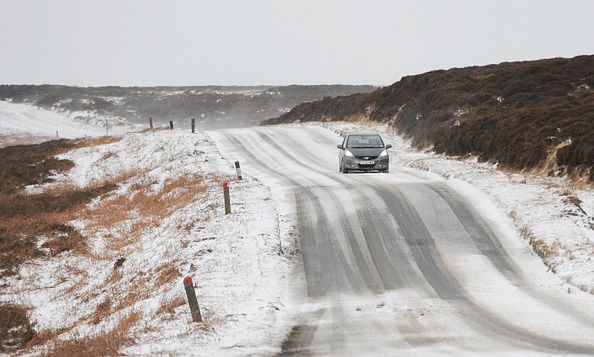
[{"x": 195, "y": 42}]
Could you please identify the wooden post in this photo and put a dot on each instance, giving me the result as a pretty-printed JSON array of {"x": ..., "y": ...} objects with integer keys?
[
  {"x": 238, "y": 170},
  {"x": 106, "y": 127},
  {"x": 192, "y": 300},
  {"x": 171, "y": 124},
  {"x": 151, "y": 122},
  {"x": 226, "y": 197},
  {"x": 193, "y": 125}
]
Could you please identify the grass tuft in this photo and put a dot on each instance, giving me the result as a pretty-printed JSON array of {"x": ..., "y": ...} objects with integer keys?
[
  {"x": 15, "y": 328},
  {"x": 105, "y": 344}
]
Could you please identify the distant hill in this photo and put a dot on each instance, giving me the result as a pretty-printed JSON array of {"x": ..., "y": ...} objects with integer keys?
[
  {"x": 212, "y": 106},
  {"x": 519, "y": 114}
]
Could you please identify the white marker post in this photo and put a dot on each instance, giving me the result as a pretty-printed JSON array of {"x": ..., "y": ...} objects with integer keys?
[{"x": 238, "y": 170}]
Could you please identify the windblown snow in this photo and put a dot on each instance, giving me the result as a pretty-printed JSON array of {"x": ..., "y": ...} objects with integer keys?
[{"x": 31, "y": 121}]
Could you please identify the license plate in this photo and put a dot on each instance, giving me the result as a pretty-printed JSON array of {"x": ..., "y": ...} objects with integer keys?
[{"x": 367, "y": 163}]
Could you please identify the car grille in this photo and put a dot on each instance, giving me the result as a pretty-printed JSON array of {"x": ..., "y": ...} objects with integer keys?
[{"x": 366, "y": 157}]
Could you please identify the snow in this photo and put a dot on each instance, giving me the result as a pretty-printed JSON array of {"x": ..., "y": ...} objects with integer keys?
[
  {"x": 238, "y": 262},
  {"x": 26, "y": 119},
  {"x": 548, "y": 209},
  {"x": 241, "y": 263},
  {"x": 353, "y": 324},
  {"x": 92, "y": 118}
]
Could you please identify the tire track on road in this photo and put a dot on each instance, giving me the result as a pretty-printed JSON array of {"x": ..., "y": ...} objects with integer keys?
[
  {"x": 379, "y": 239},
  {"x": 313, "y": 243},
  {"x": 436, "y": 273}
]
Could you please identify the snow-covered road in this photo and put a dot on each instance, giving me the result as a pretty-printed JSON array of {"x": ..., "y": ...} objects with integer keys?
[{"x": 403, "y": 263}]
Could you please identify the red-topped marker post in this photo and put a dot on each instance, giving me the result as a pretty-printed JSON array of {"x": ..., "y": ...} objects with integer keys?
[
  {"x": 226, "y": 197},
  {"x": 192, "y": 300}
]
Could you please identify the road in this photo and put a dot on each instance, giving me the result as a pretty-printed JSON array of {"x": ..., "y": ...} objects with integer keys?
[{"x": 403, "y": 264}]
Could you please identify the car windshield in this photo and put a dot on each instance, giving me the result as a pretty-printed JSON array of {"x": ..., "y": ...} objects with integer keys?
[{"x": 364, "y": 141}]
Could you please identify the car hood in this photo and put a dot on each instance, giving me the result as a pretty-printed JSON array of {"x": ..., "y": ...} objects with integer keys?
[{"x": 371, "y": 152}]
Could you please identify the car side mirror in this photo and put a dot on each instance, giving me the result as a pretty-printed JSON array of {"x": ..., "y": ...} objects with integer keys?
[
  {"x": 388, "y": 146},
  {"x": 339, "y": 146}
]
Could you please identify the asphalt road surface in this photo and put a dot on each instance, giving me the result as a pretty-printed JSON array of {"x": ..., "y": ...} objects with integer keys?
[{"x": 403, "y": 264}]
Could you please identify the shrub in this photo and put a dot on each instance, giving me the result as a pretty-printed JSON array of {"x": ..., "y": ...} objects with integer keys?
[{"x": 516, "y": 112}]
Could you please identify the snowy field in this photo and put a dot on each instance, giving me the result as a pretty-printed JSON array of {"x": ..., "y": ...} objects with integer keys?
[
  {"x": 552, "y": 215},
  {"x": 238, "y": 262},
  {"x": 27, "y": 121}
]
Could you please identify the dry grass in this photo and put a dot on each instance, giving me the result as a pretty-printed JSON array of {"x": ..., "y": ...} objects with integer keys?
[
  {"x": 102, "y": 311},
  {"x": 105, "y": 344},
  {"x": 96, "y": 141},
  {"x": 31, "y": 164},
  {"x": 18, "y": 240},
  {"x": 166, "y": 273},
  {"x": 80, "y": 277},
  {"x": 139, "y": 287},
  {"x": 43, "y": 337},
  {"x": 107, "y": 155},
  {"x": 168, "y": 307},
  {"x": 15, "y": 328},
  {"x": 580, "y": 179},
  {"x": 526, "y": 233},
  {"x": 24, "y": 218},
  {"x": 137, "y": 290},
  {"x": 141, "y": 209},
  {"x": 542, "y": 249},
  {"x": 549, "y": 165}
]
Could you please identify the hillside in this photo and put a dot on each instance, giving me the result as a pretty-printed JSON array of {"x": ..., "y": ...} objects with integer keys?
[
  {"x": 212, "y": 106},
  {"x": 97, "y": 234},
  {"x": 518, "y": 114}
]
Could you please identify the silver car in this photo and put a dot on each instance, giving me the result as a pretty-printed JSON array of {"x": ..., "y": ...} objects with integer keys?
[{"x": 363, "y": 152}]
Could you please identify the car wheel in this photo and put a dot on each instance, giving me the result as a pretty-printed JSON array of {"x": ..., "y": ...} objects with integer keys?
[
  {"x": 386, "y": 170},
  {"x": 340, "y": 167}
]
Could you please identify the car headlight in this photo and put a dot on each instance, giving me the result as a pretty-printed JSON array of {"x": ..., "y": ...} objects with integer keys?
[
  {"x": 384, "y": 153},
  {"x": 348, "y": 153}
]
